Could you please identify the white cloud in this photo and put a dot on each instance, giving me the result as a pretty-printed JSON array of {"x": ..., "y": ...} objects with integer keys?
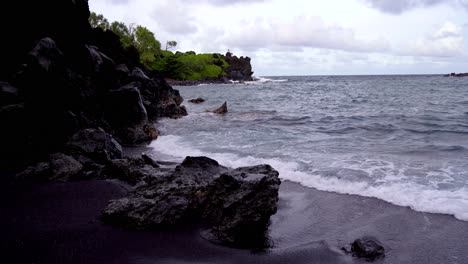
[
  {"x": 446, "y": 41},
  {"x": 448, "y": 30},
  {"x": 174, "y": 17},
  {"x": 400, "y": 6},
  {"x": 301, "y": 31},
  {"x": 411, "y": 36}
]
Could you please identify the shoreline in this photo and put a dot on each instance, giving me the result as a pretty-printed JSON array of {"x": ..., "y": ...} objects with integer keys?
[{"x": 40, "y": 228}]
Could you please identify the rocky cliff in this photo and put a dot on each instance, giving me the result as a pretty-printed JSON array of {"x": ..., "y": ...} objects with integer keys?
[
  {"x": 71, "y": 96},
  {"x": 58, "y": 76}
]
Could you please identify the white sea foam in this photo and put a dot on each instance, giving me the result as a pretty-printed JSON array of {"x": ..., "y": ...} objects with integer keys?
[
  {"x": 262, "y": 80},
  {"x": 403, "y": 193}
]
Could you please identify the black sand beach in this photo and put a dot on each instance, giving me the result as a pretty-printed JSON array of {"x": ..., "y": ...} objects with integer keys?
[{"x": 60, "y": 223}]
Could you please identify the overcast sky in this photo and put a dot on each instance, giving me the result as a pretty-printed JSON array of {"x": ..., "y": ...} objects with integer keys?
[{"x": 311, "y": 37}]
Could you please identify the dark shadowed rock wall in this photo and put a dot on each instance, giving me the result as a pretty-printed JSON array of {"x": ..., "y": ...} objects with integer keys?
[{"x": 59, "y": 76}]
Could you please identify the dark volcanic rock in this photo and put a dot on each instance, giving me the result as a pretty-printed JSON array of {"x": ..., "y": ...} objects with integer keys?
[
  {"x": 198, "y": 100},
  {"x": 57, "y": 78},
  {"x": 132, "y": 170},
  {"x": 164, "y": 199},
  {"x": 100, "y": 63},
  {"x": 69, "y": 26},
  {"x": 125, "y": 107},
  {"x": 221, "y": 110},
  {"x": 8, "y": 94},
  {"x": 457, "y": 75},
  {"x": 95, "y": 144},
  {"x": 239, "y": 69},
  {"x": 240, "y": 204},
  {"x": 64, "y": 167},
  {"x": 59, "y": 167},
  {"x": 235, "y": 205},
  {"x": 137, "y": 135},
  {"x": 367, "y": 248},
  {"x": 47, "y": 55}
]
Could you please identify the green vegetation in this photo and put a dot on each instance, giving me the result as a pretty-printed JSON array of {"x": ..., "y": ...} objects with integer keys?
[{"x": 178, "y": 65}]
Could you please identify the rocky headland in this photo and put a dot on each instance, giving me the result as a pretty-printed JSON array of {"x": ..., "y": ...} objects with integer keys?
[
  {"x": 238, "y": 71},
  {"x": 72, "y": 96}
]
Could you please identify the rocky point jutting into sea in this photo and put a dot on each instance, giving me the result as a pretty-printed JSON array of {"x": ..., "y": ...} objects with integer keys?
[{"x": 72, "y": 96}]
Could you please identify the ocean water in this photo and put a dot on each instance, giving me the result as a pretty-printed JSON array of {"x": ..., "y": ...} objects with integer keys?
[{"x": 402, "y": 139}]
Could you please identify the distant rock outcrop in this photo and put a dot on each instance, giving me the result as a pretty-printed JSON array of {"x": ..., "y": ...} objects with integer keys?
[
  {"x": 239, "y": 69},
  {"x": 457, "y": 75}
]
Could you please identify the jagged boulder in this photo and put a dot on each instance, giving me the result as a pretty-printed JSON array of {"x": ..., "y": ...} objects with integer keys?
[
  {"x": 64, "y": 167},
  {"x": 132, "y": 170},
  {"x": 125, "y": 107},
  {"x": 234, "y": 205},
  {"x": 59, "y": 167},
  {"x": 136, "y": 135},
  {"x": 164, "y": 199},
  {"x": 221, "y": 110},
  {"x": 94, "y": 144},
  {"x": 239, "y": 69},
  {"x": 240, "y": 204}
]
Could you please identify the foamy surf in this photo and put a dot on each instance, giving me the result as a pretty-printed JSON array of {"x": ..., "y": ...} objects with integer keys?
[
  {"x": 262, "y": 80},
  {"x": 416, "y": 196}
]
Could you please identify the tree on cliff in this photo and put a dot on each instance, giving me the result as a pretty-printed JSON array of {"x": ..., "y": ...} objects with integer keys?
[
  {"x": 148, "y": 46},
  {"x": 171, "y": 44},
  {"x": 125, "y": 33},
  {"x": 96, "y": 20}
]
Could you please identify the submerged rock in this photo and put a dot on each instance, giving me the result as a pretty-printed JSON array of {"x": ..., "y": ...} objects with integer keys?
[
  {"x": 235, "y": 205},
  {"x": 367, "y": 248},
  {"x": 198, "y": 100}
]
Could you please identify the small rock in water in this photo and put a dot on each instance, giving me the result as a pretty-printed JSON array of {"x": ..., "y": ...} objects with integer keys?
[
  {"x": 367, "y": 248},
  {"x": 199, "y": 100},
  {"x": 222, "y": 110}
]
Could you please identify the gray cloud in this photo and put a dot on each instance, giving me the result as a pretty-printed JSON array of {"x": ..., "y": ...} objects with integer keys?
[
  {"x": 400, "y": 6},
  {"x": 305, "y": 32}
]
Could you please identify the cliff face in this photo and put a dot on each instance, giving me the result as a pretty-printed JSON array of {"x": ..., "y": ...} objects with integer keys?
[
  {"x": 239, "y": 69},
  {"x": 59, "y": 76}
]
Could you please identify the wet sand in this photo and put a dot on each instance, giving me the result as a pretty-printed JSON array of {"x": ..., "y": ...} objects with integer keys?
[{"x": 59, "y": 223}]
